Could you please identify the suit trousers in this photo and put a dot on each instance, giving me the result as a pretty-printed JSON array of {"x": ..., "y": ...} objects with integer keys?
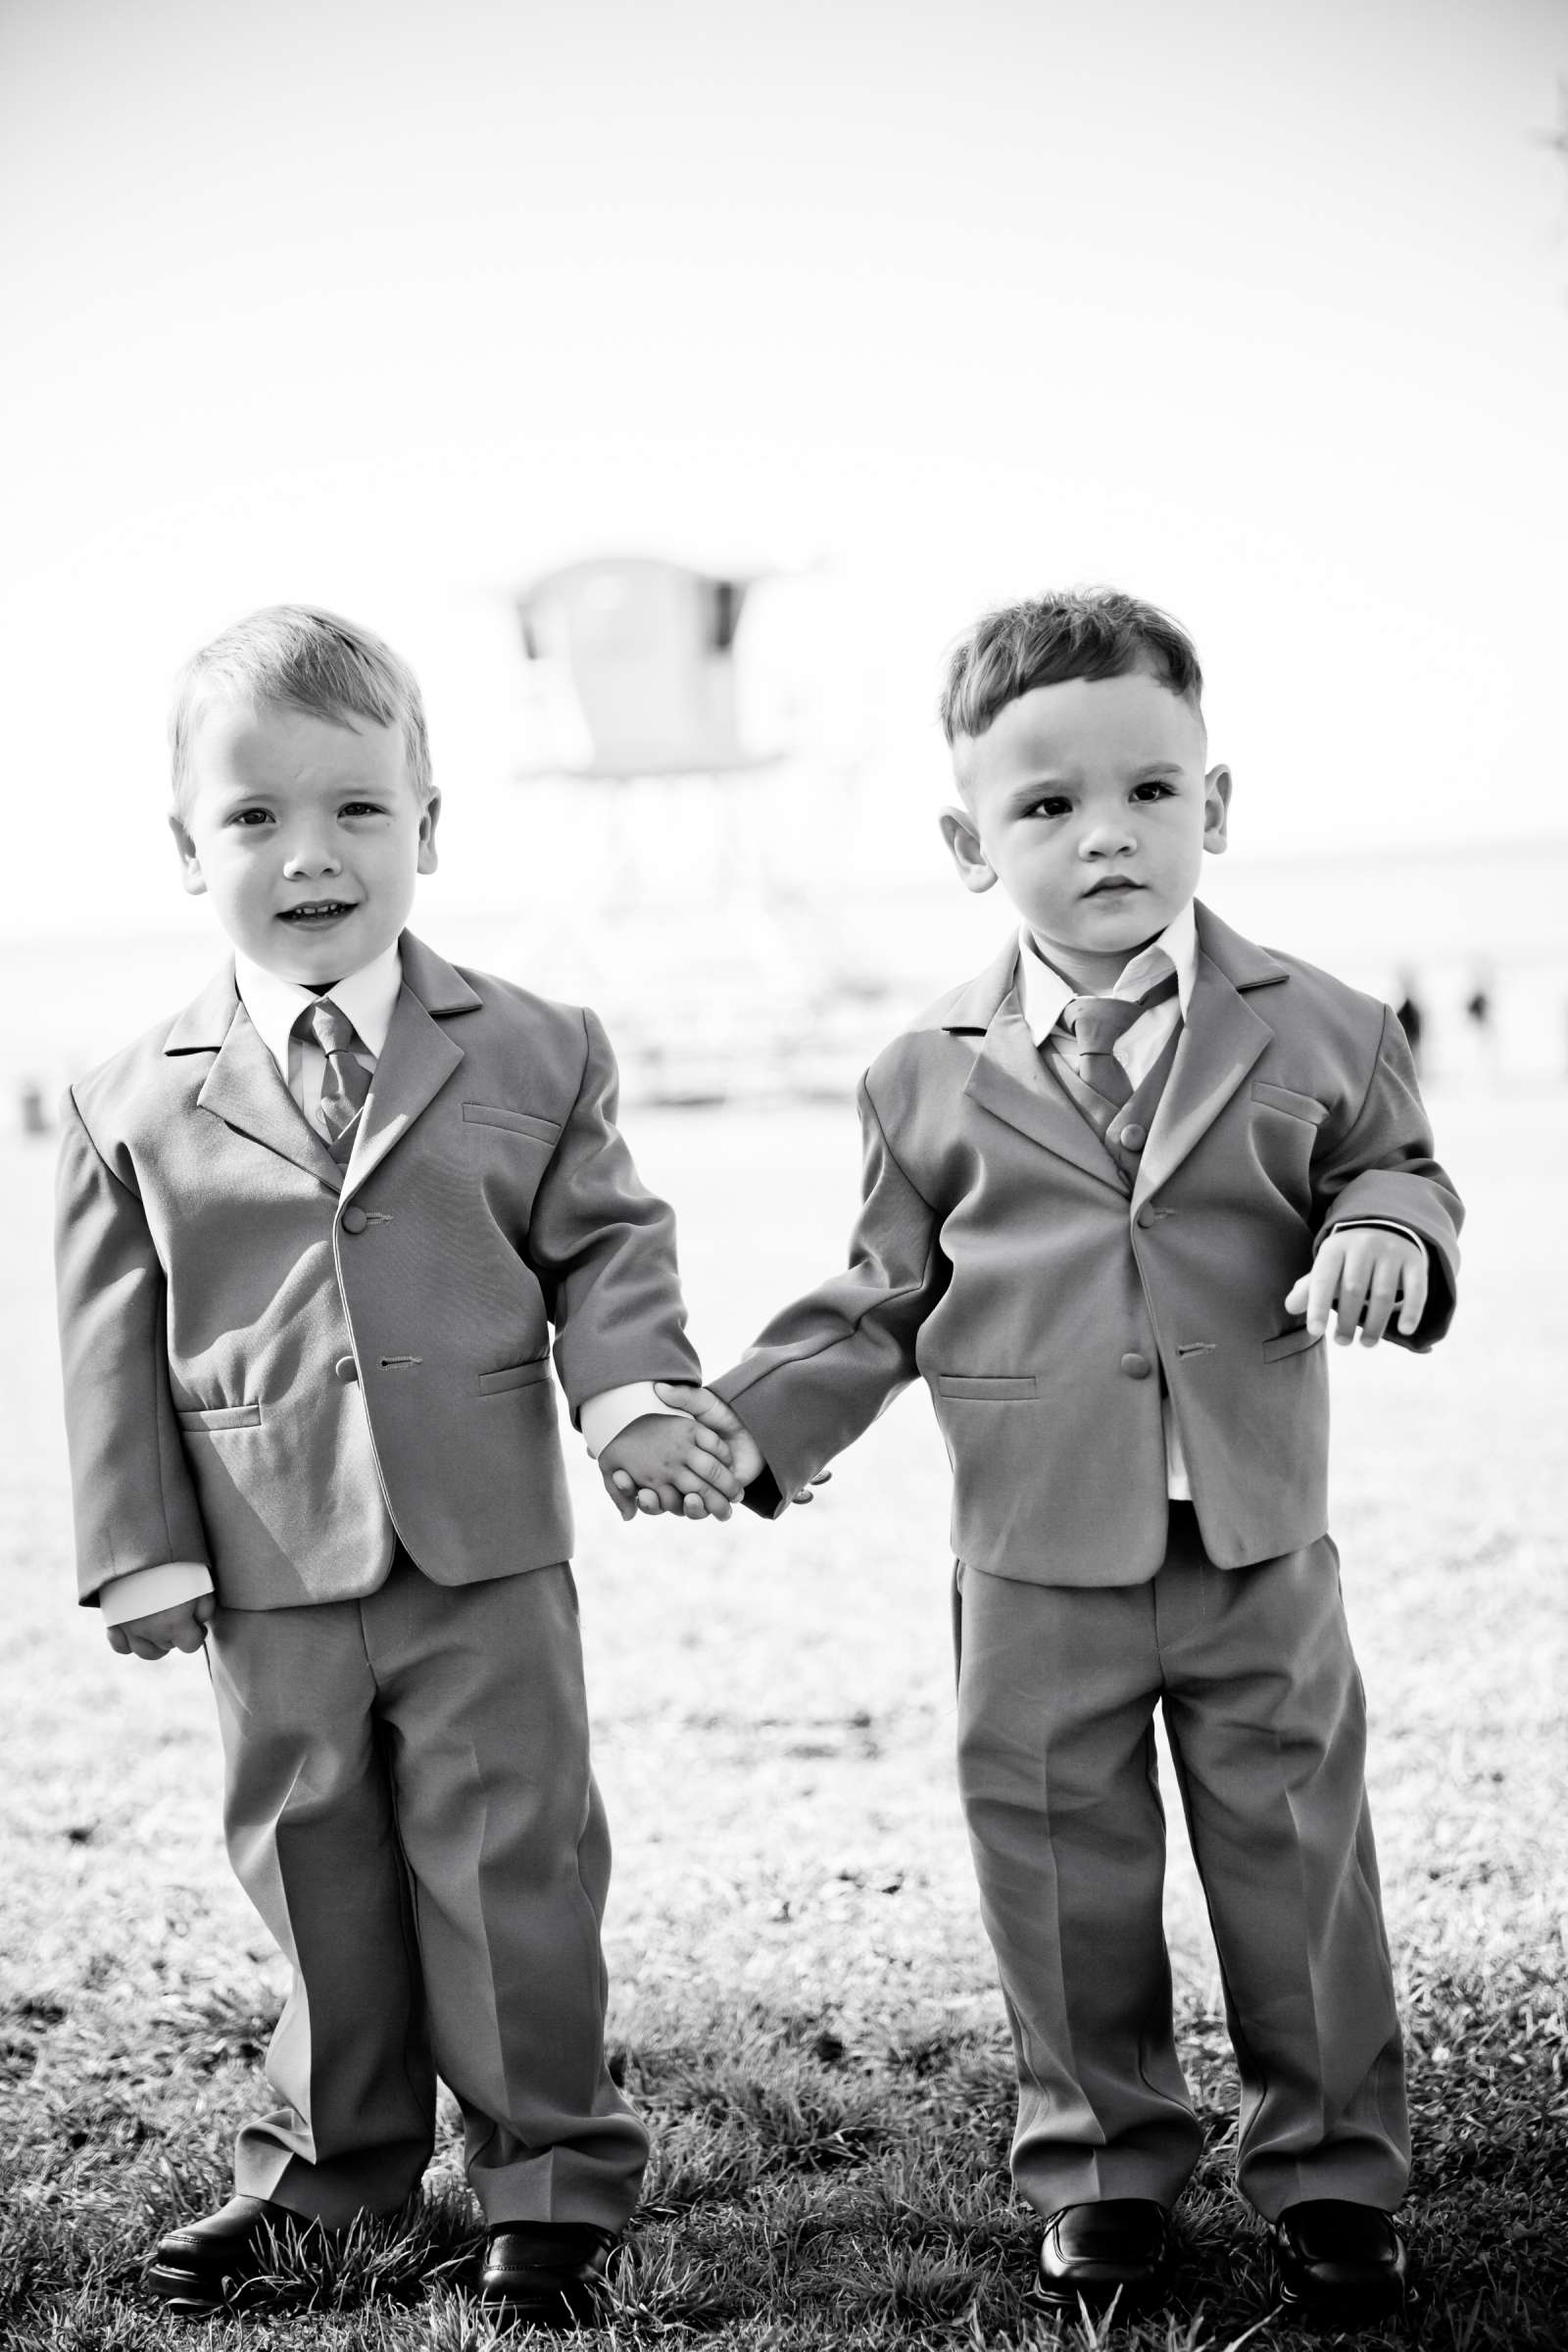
[
  {"x": 1264, "y": 1711},
  {"x": 409, "y": 1806}
]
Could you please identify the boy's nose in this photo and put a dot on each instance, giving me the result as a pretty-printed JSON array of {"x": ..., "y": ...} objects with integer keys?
[
  {"x": 1106, "y": 839},
  {"x": 309, "y": 857}
]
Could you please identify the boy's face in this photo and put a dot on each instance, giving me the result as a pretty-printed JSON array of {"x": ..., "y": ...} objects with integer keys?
[
  {"x": 305, "y": 834},
  {"x": 1090, "y": 804}
]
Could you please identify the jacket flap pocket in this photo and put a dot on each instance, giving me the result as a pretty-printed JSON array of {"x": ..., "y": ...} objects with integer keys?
[
  {"x": 521, "y": 1122},
  {"x": 1281, "y": 1098},
  {"x": 1290, "y": 1343},
  {"x": 987, "y": 1387},
  {"x": 219, "y": 1417},
  {"x": 515, "y": 1376}
]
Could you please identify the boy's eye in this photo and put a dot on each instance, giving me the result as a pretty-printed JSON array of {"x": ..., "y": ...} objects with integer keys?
[
  {"x": 363, "y": 808},
  {"x": 1155, "y": 788},
  {"x": 1049, "y": 804},
  {"x": 251, "y": 816}
]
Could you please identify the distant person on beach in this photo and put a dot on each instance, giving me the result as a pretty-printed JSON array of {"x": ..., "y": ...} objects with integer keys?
[
  {"x": 1407, "y": 1013},
  {"x": 1117, "y": 1189},
  {"x": 314, "y": 1236}
]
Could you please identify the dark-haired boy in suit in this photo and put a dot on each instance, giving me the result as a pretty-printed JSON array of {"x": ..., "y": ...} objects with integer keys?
[
  {"x": 313, "y": 1239},
  {"x": 1116, "y": 1190}
]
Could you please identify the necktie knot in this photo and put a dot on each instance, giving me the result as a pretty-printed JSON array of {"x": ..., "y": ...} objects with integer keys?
[
  {"x": 1096, "y": 1022},
  {"x": 328, "y": 1025}
]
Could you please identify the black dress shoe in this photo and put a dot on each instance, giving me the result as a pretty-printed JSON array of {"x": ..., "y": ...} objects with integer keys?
[
  {"x": 196, "y": 2267},
  {"x": 1091, "y": 2253},
  {"x": 544, "y": 2274},
  {"x": 1338, "y": 2261}
]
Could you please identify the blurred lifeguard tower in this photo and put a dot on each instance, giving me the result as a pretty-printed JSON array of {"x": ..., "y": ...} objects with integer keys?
[{"x": 662, "y": 730}]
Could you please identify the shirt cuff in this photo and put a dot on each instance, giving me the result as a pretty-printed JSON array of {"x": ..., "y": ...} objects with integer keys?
[
  {"x": 1388, "y": 1225},
  {"x": 604, "y": 1417},
  {"x": 146, "y": 1591}
]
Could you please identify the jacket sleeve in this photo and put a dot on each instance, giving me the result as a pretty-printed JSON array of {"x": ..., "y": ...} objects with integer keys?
[
  {"x": 825, "y": 1367},
  {"x": 603, "y": 1250},
  {"x": 134, "y": 1500},
  {"x": 1381, "y": 1171}
]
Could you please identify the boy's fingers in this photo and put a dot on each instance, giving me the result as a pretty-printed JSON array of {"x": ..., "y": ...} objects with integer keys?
[
  {"x": 143, "y": 1648},
  {"x": 1380, "y": 1301},
  {"x": 118, "y": 1641},
  {"x": 712, "y": 1473},
  {"x": 204, "y": 1607},
  {"x": 709, "y": 1441},
  {"x": 648, "y": 1502},
  {"x": 701, "y": 1403},
  {"x": 710, "y": 1492},
  {"x": 1414, "y": 1304},
  {"x": 1295, "y": 1296},
  {"x": 190, "y": 1637}
]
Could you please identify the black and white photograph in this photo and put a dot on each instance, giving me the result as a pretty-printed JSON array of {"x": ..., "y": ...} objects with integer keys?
[{"x": 793, "y": 848}]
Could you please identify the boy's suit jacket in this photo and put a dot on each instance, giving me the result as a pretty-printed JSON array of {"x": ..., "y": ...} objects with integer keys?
[
  {"x": 259, "y": 1347},
  {"x": 1001, "y": 1253}
]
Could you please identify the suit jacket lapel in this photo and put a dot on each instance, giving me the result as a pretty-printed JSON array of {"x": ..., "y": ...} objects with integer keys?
[
  {"x": 1010, "y": 1080},
  {"x": 244, "y": 1087},
  {"x": 416, "y": 1060},
  {"x": 1221, "y": 1040}
]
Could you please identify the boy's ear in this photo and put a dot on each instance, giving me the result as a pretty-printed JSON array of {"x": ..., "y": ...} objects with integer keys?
[
  {"x": 190, "y": 864},
  {"x": 975, "y": 870},
  {"x": 428, "y": 818},
  {"x": 1216, "y": 810}
]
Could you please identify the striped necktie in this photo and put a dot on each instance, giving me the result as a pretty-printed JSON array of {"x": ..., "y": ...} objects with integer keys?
[{"x": 345, "y": 1082}]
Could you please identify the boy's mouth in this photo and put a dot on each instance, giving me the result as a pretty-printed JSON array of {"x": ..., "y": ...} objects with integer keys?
[
  {"x": 316, "y": 910},
  {"x": 1113, "y": 885}
]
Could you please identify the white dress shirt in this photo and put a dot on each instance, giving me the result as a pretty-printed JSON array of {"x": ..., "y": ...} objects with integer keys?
[
  {"x": 369, "y": 999},
  {"x": 1044, "y": 996}
]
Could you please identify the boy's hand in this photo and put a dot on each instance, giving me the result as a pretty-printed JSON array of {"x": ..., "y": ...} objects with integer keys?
[
  {"x": 670, "y": 1462},
  {"x": 183, "y": 1626},
  {"x": 744, "y": 1454},
  {"x": 1360, "y": 1271}
]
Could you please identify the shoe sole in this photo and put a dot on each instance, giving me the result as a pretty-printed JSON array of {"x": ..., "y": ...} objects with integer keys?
[
  {"x": 1346, "y": 2312},
  {"x": 1099, "y": 2298}
]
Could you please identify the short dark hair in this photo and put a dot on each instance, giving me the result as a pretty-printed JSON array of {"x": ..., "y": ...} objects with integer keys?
[
  {"x": 307, "y": 659},
  {"x": 1046, "y": 640}
]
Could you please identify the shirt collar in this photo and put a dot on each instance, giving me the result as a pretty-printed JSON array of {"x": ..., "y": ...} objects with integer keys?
[
  {"x": 366, "y": 996},
  {"x": 1045, "y": 994}
]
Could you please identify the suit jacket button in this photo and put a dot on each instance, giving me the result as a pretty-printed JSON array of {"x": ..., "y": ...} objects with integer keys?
[
  {"x": 1146, "y": 1216},
  {"x": 1133, "y": 1137},
  {"x": 346, "y": 1369},
  {"x": 354, "y": 1218},
  {"x": 1136, "y": 1367}
]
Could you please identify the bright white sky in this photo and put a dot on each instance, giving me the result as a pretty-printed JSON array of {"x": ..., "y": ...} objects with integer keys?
[{"x": 1259, "y": 309}]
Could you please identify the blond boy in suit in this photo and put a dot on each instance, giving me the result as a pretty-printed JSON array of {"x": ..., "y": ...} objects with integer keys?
[
  {"x": 1116, "y": 1190},
  {"x": 313, "y": 1239}
]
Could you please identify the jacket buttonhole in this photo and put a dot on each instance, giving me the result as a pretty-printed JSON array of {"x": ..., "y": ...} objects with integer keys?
[{"x": 395, "y": 1363}]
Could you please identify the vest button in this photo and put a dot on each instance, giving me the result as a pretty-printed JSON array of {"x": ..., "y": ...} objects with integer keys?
[
  {"x": 1133, "y": 1137},
  {"x": 346, "y": 1369},
  {"x": 354, "y": 1218},
  {"x": 1136, "y": 1367}
]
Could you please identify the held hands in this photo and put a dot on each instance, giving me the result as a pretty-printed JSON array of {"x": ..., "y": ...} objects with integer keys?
[
  {"x": 673, "y": 1459},
  {"x": 183, "y": 1626},
  {"x": 723, "y": 1428},
  {"x": 1360, "y": 1272}
]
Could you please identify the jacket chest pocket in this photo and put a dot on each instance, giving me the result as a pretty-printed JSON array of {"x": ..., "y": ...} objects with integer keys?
[{"x": 528, "y": 1126}]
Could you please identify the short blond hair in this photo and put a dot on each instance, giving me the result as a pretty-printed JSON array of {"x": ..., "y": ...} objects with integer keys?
[{"x": 310, "y": 661}]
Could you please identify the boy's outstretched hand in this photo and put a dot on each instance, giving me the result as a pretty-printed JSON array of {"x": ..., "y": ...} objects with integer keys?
[
  {"x": 1360, "y": 1272},
  {"x": 183, "y": 1626},
  {"x": 673, "y": 1459},
  {"x": 725, "y": 1428}
]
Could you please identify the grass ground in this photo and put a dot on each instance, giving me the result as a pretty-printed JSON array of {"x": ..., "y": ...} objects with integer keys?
[{"x": 802, "y": 2002}]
